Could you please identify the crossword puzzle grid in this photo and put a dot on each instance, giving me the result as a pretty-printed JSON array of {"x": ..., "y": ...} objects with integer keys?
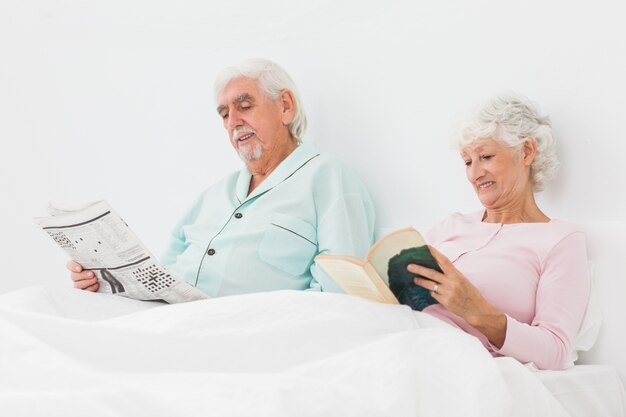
[
  {"x": 62, "y": 240},
  {"x": 153, "y": 278}
]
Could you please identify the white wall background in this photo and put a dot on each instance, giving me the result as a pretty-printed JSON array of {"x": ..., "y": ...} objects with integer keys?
[{"x": 112, "y": 99}]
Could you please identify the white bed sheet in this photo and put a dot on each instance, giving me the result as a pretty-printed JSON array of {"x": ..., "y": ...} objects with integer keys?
[
  {"x": 68, "y": 353},
  {"x": 587, "y": 390}
]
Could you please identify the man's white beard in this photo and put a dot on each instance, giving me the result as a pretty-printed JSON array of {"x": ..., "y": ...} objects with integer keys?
[{"x": 250, "y": 152}]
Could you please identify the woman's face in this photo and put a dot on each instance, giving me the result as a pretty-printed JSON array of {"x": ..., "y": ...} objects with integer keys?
[{"x": 499, "y": 174}]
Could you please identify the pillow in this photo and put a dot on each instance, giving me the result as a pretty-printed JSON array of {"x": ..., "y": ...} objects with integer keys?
[{"x": 592, "y": 321}]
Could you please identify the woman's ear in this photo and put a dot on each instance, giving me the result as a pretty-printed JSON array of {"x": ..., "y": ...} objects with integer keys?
[
  {"x": 529, "y": 151},
  {"x": 288, "y": 106}
]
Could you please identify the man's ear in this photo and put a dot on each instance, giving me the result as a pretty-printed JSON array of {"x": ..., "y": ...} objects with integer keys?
[
  {"x": 529, "y": 150},
  {"x": 288, "y": 106}
]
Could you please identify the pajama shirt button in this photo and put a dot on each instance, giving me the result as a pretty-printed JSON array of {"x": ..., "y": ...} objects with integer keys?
[
  {"x": 238, "y": 215},
  {"x": 211, "y": 252}
]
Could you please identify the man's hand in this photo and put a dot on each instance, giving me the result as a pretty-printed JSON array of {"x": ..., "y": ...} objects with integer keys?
[{"x": 84, "y": 279}]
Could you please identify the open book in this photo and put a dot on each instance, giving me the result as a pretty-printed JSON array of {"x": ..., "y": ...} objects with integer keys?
[
  {"x": 382, "y": 276},
  {"x": 96, "y": 237}
]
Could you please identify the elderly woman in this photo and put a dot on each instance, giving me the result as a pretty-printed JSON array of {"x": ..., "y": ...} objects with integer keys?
[{"x": 512, "y": 276}]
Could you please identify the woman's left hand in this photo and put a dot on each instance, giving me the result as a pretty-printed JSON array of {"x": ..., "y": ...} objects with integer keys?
[{"x": 457, "y": 294}]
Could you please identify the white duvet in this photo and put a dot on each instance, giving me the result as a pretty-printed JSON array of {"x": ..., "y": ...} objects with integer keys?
[{"x": 66, "y": 352}]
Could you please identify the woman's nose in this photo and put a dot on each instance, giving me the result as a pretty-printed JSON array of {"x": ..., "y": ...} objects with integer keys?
[{"x": 474, "y": 172}]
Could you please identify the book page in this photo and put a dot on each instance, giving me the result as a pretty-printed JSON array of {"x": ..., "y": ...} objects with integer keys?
[
  {"x": 389, "y": 246},
  {"x": 351, "y": 275},
  {"x": 380, "y": 285}
]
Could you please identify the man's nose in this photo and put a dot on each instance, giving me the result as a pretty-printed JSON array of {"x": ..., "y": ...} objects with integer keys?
[{"x": 234, "y": 119}]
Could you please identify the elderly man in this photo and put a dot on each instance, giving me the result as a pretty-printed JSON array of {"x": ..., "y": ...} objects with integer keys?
[{"x": 260, "y": 228}]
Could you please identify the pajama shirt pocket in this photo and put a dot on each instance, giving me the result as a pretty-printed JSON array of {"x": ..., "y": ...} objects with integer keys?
[{"x": 289, "y": 244}]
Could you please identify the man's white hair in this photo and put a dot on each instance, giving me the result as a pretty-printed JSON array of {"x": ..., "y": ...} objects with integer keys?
[
  {"x": 272, "y": 80},
  {"x": 511, "y": 118}
]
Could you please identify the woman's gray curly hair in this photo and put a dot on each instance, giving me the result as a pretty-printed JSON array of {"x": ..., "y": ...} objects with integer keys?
[
  {"x": 511, "y": 118},
  {"x": 272, "y": 80}
]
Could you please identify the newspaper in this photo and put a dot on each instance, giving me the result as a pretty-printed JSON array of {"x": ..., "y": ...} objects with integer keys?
[{"x": 97, "y": 238}]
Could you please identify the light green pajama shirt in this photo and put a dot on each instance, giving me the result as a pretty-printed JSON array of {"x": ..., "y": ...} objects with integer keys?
[{"x": 230, "y": 242}]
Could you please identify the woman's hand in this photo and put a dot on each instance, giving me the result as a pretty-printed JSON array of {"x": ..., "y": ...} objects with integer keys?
[
  {"x": 457, "y": 294},
  {"x": 84, "y": 279}
]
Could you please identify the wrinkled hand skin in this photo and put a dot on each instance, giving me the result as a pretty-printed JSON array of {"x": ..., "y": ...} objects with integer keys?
[
  {"x": 84, "y": 279},
  {"x": 457, "y": 294}
]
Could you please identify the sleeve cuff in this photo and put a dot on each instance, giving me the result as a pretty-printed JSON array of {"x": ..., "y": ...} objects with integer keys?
[{"x": 512, "y": 339}]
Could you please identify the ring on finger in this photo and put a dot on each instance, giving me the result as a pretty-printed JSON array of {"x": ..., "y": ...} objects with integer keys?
[{"x": 436, "y": 288}]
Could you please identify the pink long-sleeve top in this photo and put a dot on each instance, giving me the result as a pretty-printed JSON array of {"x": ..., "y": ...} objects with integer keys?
[{"x": 535, "y": 273}]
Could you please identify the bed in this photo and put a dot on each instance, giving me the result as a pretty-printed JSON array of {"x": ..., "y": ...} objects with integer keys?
[
  {"x": 281, "y": 353},
  {"x": 67, "y": 352}
]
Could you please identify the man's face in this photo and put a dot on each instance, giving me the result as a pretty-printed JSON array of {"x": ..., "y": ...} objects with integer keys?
[{"x": 255, "y": 123}]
